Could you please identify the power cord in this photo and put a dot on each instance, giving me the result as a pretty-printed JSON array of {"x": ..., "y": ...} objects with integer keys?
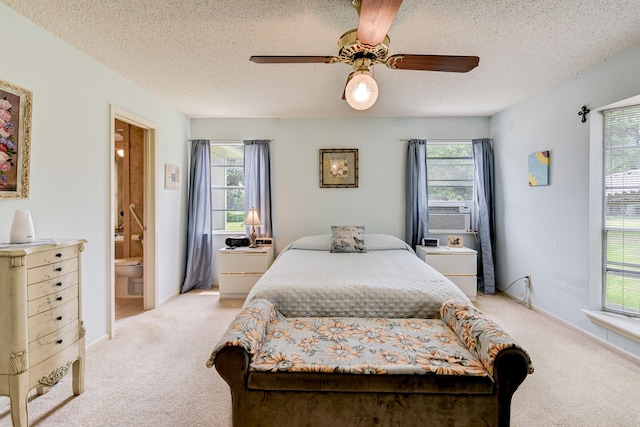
[{"x": 525, "y": 300}]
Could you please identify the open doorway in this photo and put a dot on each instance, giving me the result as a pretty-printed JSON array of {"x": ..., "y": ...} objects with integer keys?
[{"x": 133, "y": 213}]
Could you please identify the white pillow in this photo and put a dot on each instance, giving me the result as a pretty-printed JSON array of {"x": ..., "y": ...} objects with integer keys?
[
  {"x": 312, "y": 243},
  {"x": 384, "y": 242},
  {"x": 375, "y": 242}
]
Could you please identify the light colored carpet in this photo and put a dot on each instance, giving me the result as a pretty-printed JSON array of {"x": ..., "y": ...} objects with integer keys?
[{"x": 153, "y": 373}]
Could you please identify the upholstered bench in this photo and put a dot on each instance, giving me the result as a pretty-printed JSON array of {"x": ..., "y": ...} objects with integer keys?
[{"x": 461, "y": 369}]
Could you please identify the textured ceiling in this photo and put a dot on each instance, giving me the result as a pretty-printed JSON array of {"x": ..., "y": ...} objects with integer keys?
[{"x": 194, "y": 54}]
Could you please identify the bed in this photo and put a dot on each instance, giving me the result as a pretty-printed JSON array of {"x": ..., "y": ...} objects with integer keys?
[
  {"x": 312, "y": 278},
  {"x": 358, "y": 331}
]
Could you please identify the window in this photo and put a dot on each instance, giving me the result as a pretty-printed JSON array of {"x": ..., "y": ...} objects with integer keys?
[
  {"x": 450, "y": 184},
  {"x": 227, "y": 186},
  {"x": 621, "y": 228}
]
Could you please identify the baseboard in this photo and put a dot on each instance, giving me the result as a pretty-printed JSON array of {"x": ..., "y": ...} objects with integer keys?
[
  {"x": 620, "y": 352},
  {"x": 169, "y": 297},
  {"x": 99, "y": 340}
]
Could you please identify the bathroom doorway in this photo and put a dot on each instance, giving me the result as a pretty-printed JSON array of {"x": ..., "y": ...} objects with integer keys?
[{"x": 133, "y": 249}]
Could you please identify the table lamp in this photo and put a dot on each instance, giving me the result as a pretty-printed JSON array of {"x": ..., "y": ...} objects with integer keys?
[{"x": 252, "y": 220}]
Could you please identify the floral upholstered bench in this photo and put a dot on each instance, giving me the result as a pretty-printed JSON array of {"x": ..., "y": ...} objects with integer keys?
[{"x": 460, "y": 369}]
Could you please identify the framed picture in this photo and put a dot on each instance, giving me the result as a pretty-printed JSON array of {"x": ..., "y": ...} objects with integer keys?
[
  {"x": 171, "y": 177},
  {"x": 538, "y": 168},
  {"x": 454, "y": 241},
  {"x": 15, "y": 141},
  {"x": 339, "y": 168}
]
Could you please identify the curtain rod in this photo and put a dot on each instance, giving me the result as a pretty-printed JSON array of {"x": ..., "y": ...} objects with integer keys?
[
  {"x": 231, "y": 141},
  {"x": 439, "y": 139}
]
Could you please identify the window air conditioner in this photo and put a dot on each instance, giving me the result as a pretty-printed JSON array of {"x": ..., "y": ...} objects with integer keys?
[{"x": 449, "y": 218}]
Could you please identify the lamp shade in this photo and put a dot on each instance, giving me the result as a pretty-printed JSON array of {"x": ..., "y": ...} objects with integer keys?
[
  {"x": 252, "y": 218},
  {"x": 361, "y": 91}
]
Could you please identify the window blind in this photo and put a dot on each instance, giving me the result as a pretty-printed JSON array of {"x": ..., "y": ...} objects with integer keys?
[{"x": 621, "y": 228}]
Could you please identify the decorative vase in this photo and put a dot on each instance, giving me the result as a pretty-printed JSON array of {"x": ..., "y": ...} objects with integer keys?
[{"x": 22, "y": 227}]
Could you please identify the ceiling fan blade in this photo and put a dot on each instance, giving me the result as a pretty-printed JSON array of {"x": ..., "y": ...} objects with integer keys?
[
  {"x": 448, "y": 63},
  {"x": 375, "y": 19},
  {"x": 294, "y": 59}
]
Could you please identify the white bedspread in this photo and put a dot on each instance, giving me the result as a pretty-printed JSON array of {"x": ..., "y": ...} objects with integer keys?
[{"x": 380, "y": 283}]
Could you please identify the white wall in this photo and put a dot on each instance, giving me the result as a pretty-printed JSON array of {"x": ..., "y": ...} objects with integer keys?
[
  {"x": 543, "y": 231},
  {"x": 300, "y": 206},
  {"x": 70, "y": 157}
]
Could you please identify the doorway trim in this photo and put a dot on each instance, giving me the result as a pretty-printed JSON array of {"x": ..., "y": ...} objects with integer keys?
[{"x": 149, "y": 243}]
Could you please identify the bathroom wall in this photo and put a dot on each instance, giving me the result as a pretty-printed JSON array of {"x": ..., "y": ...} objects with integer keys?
[
  {"x": 130, "y": 188},
  {"x": 136, "y": 188}
]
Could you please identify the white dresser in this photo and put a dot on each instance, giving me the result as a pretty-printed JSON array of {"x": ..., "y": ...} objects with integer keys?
[
  {"x": 457, "y": 264},
  {"x": 240, "y": 269},
  {"x": 41, "y": 328}
]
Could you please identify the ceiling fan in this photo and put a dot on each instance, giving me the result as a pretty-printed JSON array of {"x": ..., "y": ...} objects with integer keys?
[{"x": 367, "y": 45}]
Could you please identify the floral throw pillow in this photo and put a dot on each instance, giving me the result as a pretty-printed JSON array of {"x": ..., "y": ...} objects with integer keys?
[{"x": 347, "y": 238}]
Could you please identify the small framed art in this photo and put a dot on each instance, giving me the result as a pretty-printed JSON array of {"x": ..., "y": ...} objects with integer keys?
[
  {"x": 338, "y": 168},
  {"x": 454, "y": 241},
  {"x": 171, "y": 177},
  {"x": 538, "y": 168}
]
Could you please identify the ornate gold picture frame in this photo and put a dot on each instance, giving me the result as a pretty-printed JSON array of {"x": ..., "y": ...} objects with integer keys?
[
  {"x": 339, "y": 168},
  {"x": 15, "y": 141}
]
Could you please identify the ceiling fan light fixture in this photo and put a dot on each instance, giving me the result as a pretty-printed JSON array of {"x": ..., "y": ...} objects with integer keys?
[{"x": 361, "y": 91}]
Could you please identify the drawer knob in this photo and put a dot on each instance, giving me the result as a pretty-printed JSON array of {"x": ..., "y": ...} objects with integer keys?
[
  {"x": 59, "y": 284},
  {"x": 59, "y": 318},
  {"x": 58, "y": 255},
  {"x": 59, "y": 341},
  {"x": 57, "y": 269},
  {"x": 59, "y": 299}
]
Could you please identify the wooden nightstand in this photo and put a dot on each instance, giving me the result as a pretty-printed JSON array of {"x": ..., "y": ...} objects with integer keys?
[
  {"x": 240, "y": 269},
  {"x": 458, "y": 264}
]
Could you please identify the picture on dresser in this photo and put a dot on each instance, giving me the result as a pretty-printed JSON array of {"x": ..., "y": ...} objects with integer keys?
[
  {"x": 15, "y": 140},
  {"x": 454, "y": 241}
]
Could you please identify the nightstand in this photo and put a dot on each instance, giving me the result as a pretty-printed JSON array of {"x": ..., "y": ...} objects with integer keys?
[
  {"x": 457, "y": 264},
  {"x": 240, "y": 269}
]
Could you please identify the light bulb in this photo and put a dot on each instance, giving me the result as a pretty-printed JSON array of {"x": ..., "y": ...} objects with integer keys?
[{"x": 361, "y": 91}]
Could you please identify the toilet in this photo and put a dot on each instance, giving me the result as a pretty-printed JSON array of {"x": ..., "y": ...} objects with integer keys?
[{"x": 129, "y": 280}]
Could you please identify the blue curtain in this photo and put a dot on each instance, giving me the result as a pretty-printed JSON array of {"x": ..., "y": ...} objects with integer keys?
[
  {"x": 485, "y": 222},
  {"x": 257, "y": 182},
  {"x": 198, "y": 272},
  {"x": 417, "y": 212}
]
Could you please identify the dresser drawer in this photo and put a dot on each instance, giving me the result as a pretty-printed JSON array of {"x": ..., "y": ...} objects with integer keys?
[
  {"x": 53, "y": 256},
  {"x": 453, "y": 264},
  {"x": 467, "y": 284},
  {"x": 50, "y": 271},
  {"x": 237, "y": 283},
  {"x": 244, "y": 263},
  {"x": 41, "y": 289},
  {"x": 46, "y": 346},
  {"x": 54, "y": 300},
  {"x": 50, "y": 321}
]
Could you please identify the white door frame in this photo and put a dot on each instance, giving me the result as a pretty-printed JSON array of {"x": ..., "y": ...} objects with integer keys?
[{"x": 149, "y": 243}]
